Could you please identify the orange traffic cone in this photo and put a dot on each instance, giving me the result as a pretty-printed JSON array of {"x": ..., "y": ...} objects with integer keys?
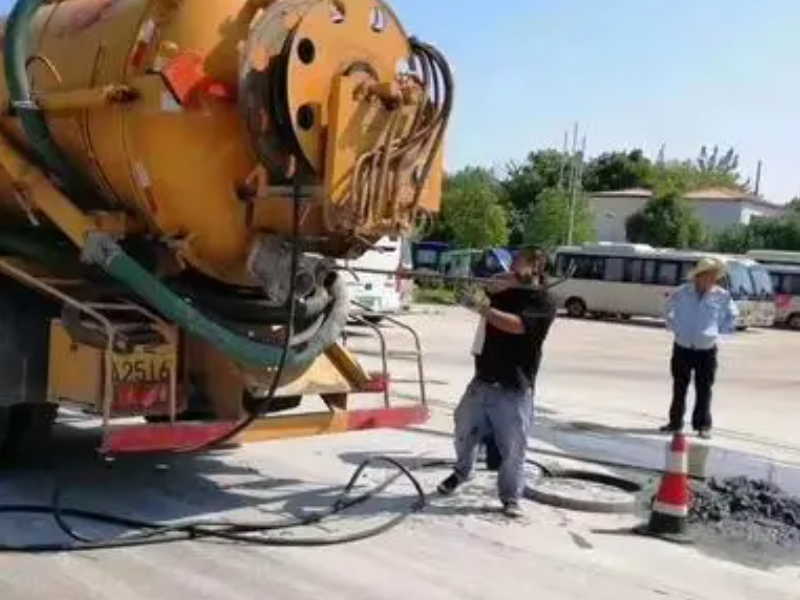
[{"x": 671, "y": 506}]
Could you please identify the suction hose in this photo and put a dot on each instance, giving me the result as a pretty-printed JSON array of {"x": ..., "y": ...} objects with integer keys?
[{"x": 102, "y": 250}]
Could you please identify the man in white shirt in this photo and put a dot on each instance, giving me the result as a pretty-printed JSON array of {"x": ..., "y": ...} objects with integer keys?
[{"x": 698, "y": 313}]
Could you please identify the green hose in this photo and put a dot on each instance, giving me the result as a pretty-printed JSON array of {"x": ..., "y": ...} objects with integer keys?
[
  {"x": 102, "y": 250},
  {"x": 31, "y": 117}
]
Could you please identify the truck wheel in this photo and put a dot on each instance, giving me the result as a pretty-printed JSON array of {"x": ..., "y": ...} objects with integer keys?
[
  {"x": 576, "y": 308},
  {"x": 794, "y": 321}
]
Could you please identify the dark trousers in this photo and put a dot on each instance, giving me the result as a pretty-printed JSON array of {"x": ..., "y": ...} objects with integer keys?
[{"x": 704, "y": 365}]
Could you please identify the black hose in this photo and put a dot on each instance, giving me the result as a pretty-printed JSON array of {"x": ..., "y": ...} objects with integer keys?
[{"x": 158, "y": 533}]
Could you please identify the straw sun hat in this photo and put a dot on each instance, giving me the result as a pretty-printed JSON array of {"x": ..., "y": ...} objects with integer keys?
[{"x": 708, "y": 265}]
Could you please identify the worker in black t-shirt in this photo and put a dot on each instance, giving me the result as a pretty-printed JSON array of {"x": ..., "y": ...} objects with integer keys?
[{"x": 499, "y": 400}]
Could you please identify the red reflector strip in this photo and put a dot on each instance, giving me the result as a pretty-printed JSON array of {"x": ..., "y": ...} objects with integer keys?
[
  {"x": 378, "y": 383},
  {"x": 390, "y": 418}
]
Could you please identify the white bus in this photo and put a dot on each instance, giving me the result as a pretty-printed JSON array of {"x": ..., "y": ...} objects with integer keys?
[
  {"x": 775, "y": 257},
  {"x": 381, "y": 294},
  {"x": 786, "y": 282},
  {"x": 637, "y": 279}
]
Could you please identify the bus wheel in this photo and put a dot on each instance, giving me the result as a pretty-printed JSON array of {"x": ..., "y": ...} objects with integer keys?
[
  {"x": 794, "y": 321},
  {"x": 576, "y": 308}
]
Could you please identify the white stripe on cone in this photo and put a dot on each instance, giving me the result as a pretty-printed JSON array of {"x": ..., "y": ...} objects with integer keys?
[
  {"x": 677, "y": 463},
  {"x": 671, "y": 509}
]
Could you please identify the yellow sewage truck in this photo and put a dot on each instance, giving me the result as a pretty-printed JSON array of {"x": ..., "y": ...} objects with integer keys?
[{"x": 177, "y": 180}]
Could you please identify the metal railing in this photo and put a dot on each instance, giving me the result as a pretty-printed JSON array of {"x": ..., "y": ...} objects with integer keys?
[{"x": 417, "y": 353}]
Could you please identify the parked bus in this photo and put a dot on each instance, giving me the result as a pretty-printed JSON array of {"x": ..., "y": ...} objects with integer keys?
[
  {"x": 460, "y": 263},
  {"x": 763, "y": 312},
  {"x": 775, "y": 257},
  {"x": 637, "y": 280},
  {"x": 786, "y": 282},
  {"x": 427, "y": 256},
  {"x": 381, "y": 293}
]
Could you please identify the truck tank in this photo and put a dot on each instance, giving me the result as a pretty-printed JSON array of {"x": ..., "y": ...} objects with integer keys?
[
  {"x": 179, "y": 152},
  {"x": 185, "y": 116}
]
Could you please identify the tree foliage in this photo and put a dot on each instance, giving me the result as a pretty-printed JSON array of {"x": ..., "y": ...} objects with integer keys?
[
  {"x": 525, "y": 181},
  {"x": 618, "y": 171},
  {"x": 547, "y": 224},
  {"x": 472, "y": 211},
  {"x": 529, "y": 202},
  {"x": 667, "y": 222},
  {"x": 761, "y": 234},
  {"x": 524, "y": 184},
  {"x": 714, "y": 162}
]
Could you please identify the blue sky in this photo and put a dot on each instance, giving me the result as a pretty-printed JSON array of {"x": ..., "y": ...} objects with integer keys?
[{"x": 635, "y": 73}]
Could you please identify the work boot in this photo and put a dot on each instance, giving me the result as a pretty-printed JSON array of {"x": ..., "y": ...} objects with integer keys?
[
  {"x": 670, "y": 429},
  {"x": 513, "y": 510},
  {"x": 449, "y": 485}
]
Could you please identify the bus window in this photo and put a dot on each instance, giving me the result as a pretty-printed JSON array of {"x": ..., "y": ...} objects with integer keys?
[
  {"x": 668, "y": 274},
  {"x": 777, "y": 283},
  {"x": 740, "y": 282},
  {"x": 762, "y": 283},
  {"x": 686, "y": 268},
  {"x": 649, "y": 275},
  {"x": 562, "y": 265},
  {"x": 615, "y": 269},
  {"x": 633, "y": 270},
  {"x": 589, "y": 267},
  {"x": 792, "y": 285}
]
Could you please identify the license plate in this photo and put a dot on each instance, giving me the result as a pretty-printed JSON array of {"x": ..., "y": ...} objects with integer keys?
[
  {"x": 143, "y": 367},
  {"x": 142, "y": 382},
  {"x": 368, "y": 301}
]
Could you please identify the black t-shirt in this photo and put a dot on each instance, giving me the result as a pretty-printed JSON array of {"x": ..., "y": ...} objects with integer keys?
[{"x": 513, "y": 360}]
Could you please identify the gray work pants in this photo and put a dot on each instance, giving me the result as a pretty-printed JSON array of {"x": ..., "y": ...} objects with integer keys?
[{"x": 508, "y": 415}]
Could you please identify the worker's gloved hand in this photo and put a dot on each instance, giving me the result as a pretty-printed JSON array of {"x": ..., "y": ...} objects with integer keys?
[{"x": 474, "y": 299}]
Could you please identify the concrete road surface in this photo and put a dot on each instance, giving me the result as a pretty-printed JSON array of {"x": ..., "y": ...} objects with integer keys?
[{"x": 605, "y": 382}]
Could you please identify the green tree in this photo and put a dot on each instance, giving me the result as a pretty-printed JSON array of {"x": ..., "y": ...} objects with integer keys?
[
  {"x": 793, "y": 207},
  {"x": 736, "y": 239},
  {"x": 667, "y": 222},
  {"x": 772, "y": 234},
  {"x": 776, "y": 234},
  {"x": 547, "y": 224},
  {"x": 714, "y": 162},
  {"x": 525, "y": 182},
  {"x": 473, "y": 215},
  {"x": 618, "y": 171}
]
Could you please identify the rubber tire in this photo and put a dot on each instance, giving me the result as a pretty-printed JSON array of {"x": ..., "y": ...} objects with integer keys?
[
  {"x": 593, "y": 506},
  {"x": 794, "y": 321},
  {"x": 576, "y": 308}
]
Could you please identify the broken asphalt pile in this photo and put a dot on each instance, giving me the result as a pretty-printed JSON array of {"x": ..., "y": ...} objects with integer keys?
[{"x": 741, "y": 507}]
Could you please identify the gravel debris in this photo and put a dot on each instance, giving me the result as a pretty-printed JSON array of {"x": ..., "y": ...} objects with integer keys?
[{"x": 744, "y": 508}]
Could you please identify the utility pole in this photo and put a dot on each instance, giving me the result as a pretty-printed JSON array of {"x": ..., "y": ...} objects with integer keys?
[
  {"x": 759, "y": 173},
  {"x": 564, "y": 160},
  {"x": 572, "y": 177},
  {"x": 577, "y": 184}
]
